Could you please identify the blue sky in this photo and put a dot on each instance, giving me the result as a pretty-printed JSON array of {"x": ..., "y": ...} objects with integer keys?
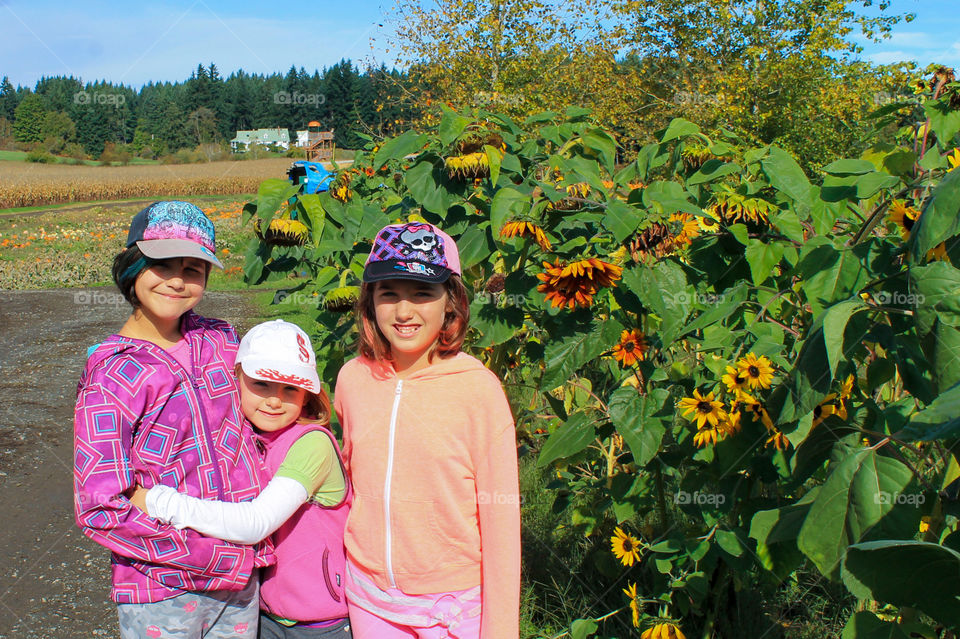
[{"x": 133, "y": 42}]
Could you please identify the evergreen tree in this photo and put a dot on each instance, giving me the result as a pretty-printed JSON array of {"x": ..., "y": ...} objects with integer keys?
[
  {"x": 28, "y": 119},
  {"x": 8, "y": 99}
]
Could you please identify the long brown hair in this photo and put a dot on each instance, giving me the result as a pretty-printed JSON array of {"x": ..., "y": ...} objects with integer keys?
[{"x": 373, "y": 344}]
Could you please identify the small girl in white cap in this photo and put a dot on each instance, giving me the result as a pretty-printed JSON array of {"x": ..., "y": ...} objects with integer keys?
[{"x": 305, "y": 504}]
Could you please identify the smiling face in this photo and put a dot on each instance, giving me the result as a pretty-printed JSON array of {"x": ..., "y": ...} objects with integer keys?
[
  {"x": 170, "y": 288},
  {"x": 410, "y": 315},
  {"x": 270, "y": 406}
]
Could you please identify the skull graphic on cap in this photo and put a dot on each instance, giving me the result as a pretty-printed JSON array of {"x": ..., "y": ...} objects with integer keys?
[{"x": 420, "y": 238}]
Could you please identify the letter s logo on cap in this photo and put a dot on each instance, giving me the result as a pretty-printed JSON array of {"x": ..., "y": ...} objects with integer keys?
[{"x": 304, "y": 354}]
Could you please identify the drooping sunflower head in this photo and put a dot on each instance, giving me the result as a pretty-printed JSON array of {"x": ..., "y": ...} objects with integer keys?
[
  {"x": 688, "y": 228},
  {"x": 778, "y": 440},
  {"x": 663, "y": 631},
  {"x": 631, "y": 592},
  {"x": 283, "y": 231},
  {"x": 625, "y": 547},
  {"x": 342, "y": 299},
  {"x": 521, "y": 228},
  {"x": 757, "y": 370},
  {"x": 575, "y": 284},
  {"x": 709, "y": 435},
  {"x": 632, "y": 347}
]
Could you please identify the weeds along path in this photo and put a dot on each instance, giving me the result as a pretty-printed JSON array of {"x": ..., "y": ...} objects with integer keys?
[{"x": 56, "y": 582}]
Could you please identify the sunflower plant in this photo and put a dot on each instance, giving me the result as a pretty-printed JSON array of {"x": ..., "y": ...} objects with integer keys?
[{"x": 724, "y": 368}]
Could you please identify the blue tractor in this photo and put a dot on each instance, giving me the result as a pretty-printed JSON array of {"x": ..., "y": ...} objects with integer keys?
[{"x": 311, "y": 177}]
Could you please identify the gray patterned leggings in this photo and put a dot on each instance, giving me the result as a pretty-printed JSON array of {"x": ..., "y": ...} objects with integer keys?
[{"x": 218, "y": 614}]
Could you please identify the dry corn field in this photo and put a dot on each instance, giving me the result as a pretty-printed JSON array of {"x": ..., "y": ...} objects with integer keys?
[{"x": 25, "y": 184}]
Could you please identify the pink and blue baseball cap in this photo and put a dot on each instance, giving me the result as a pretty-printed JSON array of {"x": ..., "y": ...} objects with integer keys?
[
  {"x": 170, "y": 229},
  {"x": 412, "y": 251}
]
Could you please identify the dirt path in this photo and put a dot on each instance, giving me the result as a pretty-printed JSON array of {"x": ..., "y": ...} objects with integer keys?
[{"x": 55, "y": 582}]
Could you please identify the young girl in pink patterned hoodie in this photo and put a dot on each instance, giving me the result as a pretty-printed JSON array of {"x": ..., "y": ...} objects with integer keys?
[{"x": 157, "y": 404}]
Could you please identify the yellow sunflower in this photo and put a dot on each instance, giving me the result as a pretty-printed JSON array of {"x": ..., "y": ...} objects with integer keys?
[
  {"x": 663, "y": 631},
  {"x": 731, "y": 425},
  {"x": 778, "y": 441},
  {"x": 631, "y": 591},
  {"x": 735, "y": 382},
  {"x": 576, "y": 283},
  {"x": 759, "y": 412},
  {"x": 706, "y": 410},
  {"x": 953, "y": 159},
  {"x": 824, "y": 409},
  {"x": 708, "y": 436},
  {"x": 757, "y": 370},
  {"x": 689, "y": 228},
  {"x": 631, "y": 348},
  {"x": 904, "y": 217},
  {"x": 625, "y": 546},
  {"x": 526, "y": 229}
]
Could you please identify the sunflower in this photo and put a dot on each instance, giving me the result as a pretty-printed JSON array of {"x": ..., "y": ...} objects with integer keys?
[
  {"x": 631, "y": 591},
  {"x": 526, "y": 229},
  {"x": 709, "y": 435},
  {"x": 283, "y": 231},
  {"x": 663, "y": 631},
  {"x": 953, "y": 159},
  {"x": 736, "y": 382},
  {"x": 731, "y": 207},
  {"x": 904, "y": 217},
  {"x": 778, "y": 441},
  {"x": 625, "y": 546},
  {"x": 759, "y": 413},
  {"x": 708, "y": 224},
  {"x": 706, "y": 409},
  {"x": 846, "y": 392},
  {"x": 731, "y": 425},
  {"x": 689, "y": 228},
  {"x": 631, "y": 348},
  {"x": 757, "y": 370},
  {"x": 824, "y": 409},
  {"x": 576, "y": 283},
  {"x": 342, "y": 299}
]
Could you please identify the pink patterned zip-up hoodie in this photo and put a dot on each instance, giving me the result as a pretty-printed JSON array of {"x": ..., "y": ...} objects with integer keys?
[{"x": 142, "y": 419}]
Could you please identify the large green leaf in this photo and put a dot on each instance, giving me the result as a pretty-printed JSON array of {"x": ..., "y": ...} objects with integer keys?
[
  {"x": 762, "y": 258},
  {"x": 787, "y": 177},
  {"x": 830, "y": 275},
  {"x": 776, "y": 533},
  {"x": 495, "y": 324},
  {"x": 570, "y": 438},
  {"x": 398, "y": 147},
  {"x": 849, "y": 167},
  {"x": 939, "y": 420},
  {"x": 937, "y": 295},
  {"x": 425, "y": 181},
  {"x": 860, "y": 491},
  {"x": 506, "y": 204},
  {"x": 271, "y": 195},
  {"x": 671, "y": 197},
  {"x": 451, "y": 126},
  {"x": 907, "y": 573},
  {"x": 679, "y": 128},
  {"x": 665, "y": 291},
  {"x": 600, "y": 144},
  {"x": 621, "y": 219},
  {"x": 866, "y": 625},
  {"x": 564, "y": 358},
  {"x": 475, "y": 245},
  {"x": 713, "y": 170},
  {"x": 944, "y": 120},
  {"x": 835, "y": 321},
  {"x": 636, "y": 419},
  {"x": 940, "y": 219}
]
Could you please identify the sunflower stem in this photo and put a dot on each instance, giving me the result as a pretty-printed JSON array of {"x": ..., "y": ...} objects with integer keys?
[{"x": 661, "y": 500}]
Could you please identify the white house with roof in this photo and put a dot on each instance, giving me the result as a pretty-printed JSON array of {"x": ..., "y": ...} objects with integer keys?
[{"x": 266, "y": 137}]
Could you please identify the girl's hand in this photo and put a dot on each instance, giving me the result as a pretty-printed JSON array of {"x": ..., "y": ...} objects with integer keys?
[{"x": 139, "y": 498}]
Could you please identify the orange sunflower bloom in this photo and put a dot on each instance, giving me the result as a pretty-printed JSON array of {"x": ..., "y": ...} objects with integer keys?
[
  {"x": 526, "y": 229},
  {"x": 576, "y": 283},
  {"x": 632, "y": 347}
]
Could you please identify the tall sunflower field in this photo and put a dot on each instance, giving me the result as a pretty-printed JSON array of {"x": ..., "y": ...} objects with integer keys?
[{"x": 726, "y": 370}]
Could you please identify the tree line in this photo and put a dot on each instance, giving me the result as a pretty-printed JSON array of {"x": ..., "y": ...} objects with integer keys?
[{"x": 64, "y": 115}]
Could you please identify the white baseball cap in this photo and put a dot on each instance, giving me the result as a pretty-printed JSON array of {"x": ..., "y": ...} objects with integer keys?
[{"x": 279, "y": 351}]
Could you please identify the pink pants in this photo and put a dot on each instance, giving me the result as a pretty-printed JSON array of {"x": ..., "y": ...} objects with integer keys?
[
  {"x": 454, "y": 615},
  {"x": 366, "y": 625}
]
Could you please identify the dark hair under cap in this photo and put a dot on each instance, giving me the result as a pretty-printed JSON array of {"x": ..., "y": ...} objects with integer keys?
[{"x": 127, "y": 265}]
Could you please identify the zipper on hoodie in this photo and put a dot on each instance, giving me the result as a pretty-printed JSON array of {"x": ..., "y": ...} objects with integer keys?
[{"x": 388, "y": 539}]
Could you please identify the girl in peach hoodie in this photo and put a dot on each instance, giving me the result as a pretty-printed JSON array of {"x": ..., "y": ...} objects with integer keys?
[{"x": 433, "y": 538}]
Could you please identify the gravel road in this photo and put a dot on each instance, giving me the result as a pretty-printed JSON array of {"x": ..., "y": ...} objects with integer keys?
[{"x": 56, "y": 582}]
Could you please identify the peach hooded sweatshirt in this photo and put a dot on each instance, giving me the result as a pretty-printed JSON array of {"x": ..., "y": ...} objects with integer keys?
[{"x": 433, "y": 462}]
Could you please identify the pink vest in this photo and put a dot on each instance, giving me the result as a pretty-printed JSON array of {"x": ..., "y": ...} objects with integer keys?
[{"x": 306, "y": 584}]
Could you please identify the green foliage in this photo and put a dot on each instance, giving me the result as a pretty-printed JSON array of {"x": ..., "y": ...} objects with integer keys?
[{"x": 733, "y": 366}]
